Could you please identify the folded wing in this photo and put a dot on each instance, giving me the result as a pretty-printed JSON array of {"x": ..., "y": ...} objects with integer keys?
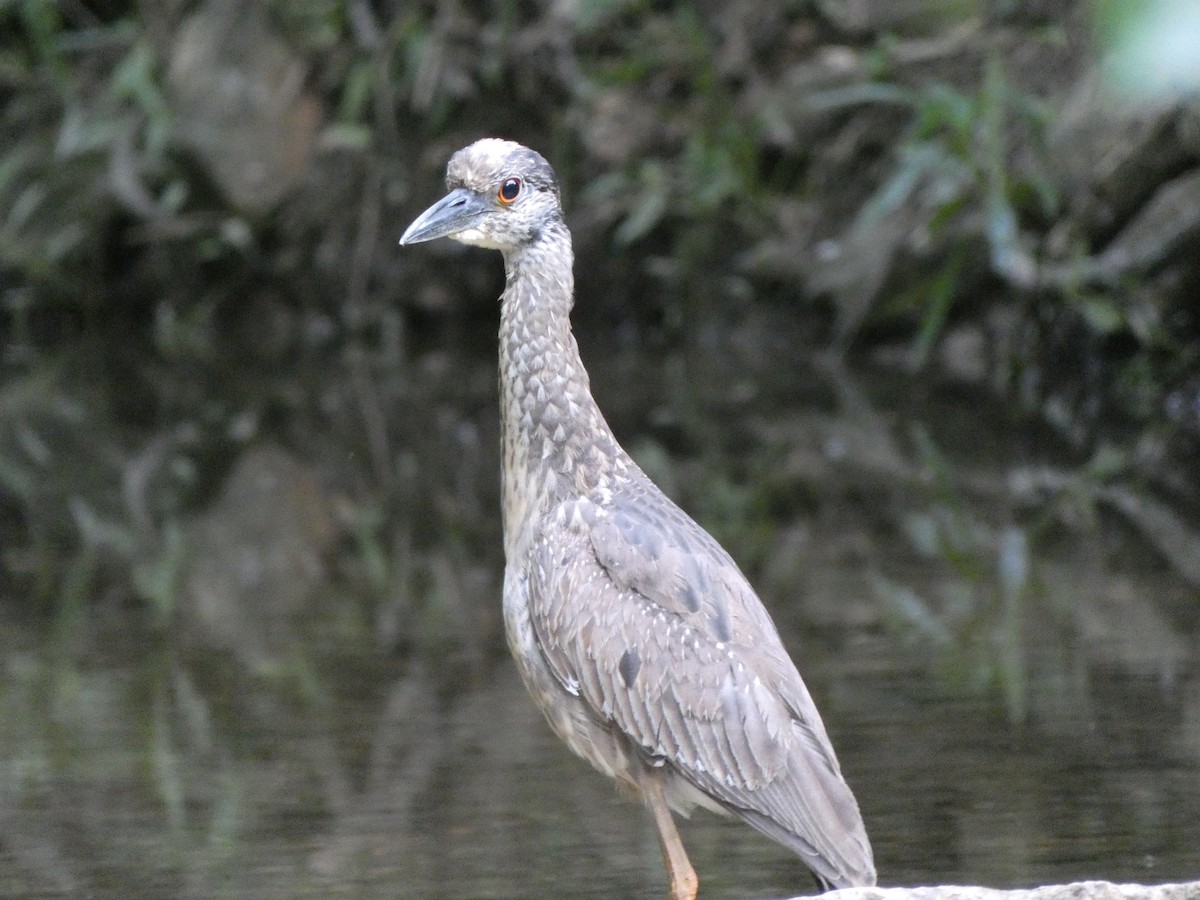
[{"x": 672, "y": 647}]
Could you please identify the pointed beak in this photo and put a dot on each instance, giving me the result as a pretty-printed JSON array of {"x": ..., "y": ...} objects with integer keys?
[{"x": 457, "y": 211}]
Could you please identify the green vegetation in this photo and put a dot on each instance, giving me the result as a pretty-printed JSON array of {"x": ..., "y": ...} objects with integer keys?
[
  {"x": 955, "y": 164},
  {"x": 196, "y": 258}
]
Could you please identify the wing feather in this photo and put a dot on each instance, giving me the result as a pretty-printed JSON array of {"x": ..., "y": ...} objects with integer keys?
[{"x": 714, "y": 694}]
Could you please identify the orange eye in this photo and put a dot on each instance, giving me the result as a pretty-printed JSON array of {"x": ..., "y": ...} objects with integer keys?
[{"x": 509, "y": 190}]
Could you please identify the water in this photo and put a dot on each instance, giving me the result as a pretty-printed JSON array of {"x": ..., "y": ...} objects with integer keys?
[
  {"x": 1003, "y": 719},
  {"x": 387, "y": 792}
]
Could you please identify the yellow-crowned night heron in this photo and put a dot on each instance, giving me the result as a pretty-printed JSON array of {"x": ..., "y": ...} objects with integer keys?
[{"x": 637, "y": 635}]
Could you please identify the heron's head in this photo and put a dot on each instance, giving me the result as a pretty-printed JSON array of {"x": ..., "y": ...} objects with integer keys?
[{"x": 502, "y": 196}]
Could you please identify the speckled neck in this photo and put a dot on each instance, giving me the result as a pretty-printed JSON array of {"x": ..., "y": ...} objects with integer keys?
[{"x": 555, "y": 442}]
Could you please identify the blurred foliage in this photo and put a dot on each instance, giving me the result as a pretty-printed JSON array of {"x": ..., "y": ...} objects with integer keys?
[
  {"x": 155, "y": 327},
  {"x": 717, "y": 160},
  {"x": 1150, "y": 47},
  {"x": 957, "y": 159}
]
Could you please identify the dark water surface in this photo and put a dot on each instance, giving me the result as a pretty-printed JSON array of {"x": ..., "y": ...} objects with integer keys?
[{"x": 1022, "y": 710}]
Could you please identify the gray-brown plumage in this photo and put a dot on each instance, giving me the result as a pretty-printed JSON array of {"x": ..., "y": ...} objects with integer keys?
[{"x": 637, "y": 635}]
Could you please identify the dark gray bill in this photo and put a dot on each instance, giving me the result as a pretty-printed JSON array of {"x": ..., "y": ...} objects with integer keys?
[{"x": 457, "y": 211}]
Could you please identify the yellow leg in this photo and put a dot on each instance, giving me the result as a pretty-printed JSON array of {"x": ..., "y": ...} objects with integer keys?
[{"x": 684, "y": 883}]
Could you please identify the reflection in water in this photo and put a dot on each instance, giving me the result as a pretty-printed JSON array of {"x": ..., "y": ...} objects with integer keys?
[
  {"x": 135, "y": 766},
  {"x": 387, "y": 792}
]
